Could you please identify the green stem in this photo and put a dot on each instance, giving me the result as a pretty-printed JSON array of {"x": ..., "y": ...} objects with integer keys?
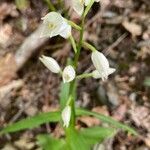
[
  {"x": 80, "y": 43},
  {"x": 88, "y": 8},
  {"x": 60, "y": 2},
  {"x": 73, "y": 43},
  {"x": 74, "y": 25},
  {"x": 85, "y": 75},
  {"x": 73, "y": 83},
  {"x": 89, "y": 46},
  {"x": 50, "y": 5}
]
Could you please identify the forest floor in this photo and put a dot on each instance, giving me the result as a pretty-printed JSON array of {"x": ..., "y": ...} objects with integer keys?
[{"x": 120, "y": 29}]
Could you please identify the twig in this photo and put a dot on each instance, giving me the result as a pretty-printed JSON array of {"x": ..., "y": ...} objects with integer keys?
[
  {"x": 29, "y": 46},
  {"x": 113, "y": 45},
  {"x": 19, "y": 113},
  {"x": 4, "y": 90}
]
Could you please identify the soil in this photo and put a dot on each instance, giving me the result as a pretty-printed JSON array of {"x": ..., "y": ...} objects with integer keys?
[{"x": 120, "y": 29}]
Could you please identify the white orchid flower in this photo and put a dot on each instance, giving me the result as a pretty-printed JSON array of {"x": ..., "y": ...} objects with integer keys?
[
  {"x": 50, "y": 63},
  {"x": 87, "y": 2},
  {"x": 101, "y": 64},
  {"x": 54, "y": 24},
  {"x": 66, "y": 115},
  {"x": 97, "y": 75},
  {"x": 68, "y": 74},
  {"x": 78, "y": 5}
]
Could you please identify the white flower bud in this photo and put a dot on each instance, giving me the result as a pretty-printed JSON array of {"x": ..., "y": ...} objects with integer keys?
[
  {"x": 78, "y": 5},
  {"x": 66, "y": 115},
  {"x": 50, "y": 63},
  {"x": 54, "y": 24},
  {"x": 101, "y": 64},
  {"x": 68, "y": 74}
]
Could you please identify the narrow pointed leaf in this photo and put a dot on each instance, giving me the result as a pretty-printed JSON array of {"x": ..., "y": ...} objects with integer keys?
[
  {"x": 32, "y": 122},
  {"x": 96, "y": 134},
  {"x": 107, "y": 119}
]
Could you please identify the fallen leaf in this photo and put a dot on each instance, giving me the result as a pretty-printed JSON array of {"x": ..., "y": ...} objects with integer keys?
[
  {"x": 5, "y": 35},
  {"x": 133, "y": 28},
  {"x": 7, "y": 9},
  {"x": 89, "y": 121},
  {"x": 7, "y": 69},
  {"x": 140, "y": 115}
]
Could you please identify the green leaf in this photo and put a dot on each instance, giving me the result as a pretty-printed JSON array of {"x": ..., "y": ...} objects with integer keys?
[
  {"x": 32, "y": 122},
  {"x": 77, "y": 141},
  {"x": 107, "y": 119},
  {"x": 64, "y": 94},
  {"x": 96, "y": 134},
  {"x": 47, "y": 142}
]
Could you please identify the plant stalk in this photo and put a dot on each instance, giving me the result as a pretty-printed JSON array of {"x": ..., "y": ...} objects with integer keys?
[
  {"x": 73, "y": 83},
  {"x": 50, "y": 5}
]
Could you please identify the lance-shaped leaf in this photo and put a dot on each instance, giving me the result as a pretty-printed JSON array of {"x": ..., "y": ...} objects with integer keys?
[
  {"x": 32, "y": 122},
  {"x": 96, "y": 134},
  {"x": 106, "y": 119}
]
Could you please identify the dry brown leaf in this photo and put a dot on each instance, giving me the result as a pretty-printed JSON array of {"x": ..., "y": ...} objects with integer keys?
[
  {"x": 4, "y": 90},
  {"x": 101, "y": 110},
  {"x": 8, "y": 147},
  {"x": 140, "y": 115},
  {"x": 120, "y": 112},
  {"x": 89, "y": 121},
  {"x": 24, "y": 143},
  {"x": 5, "y": 35},
  {"x": 147, "y": 142},
  {"x": 133, "y": 28},
  {"x": 58, "y": 132},
  {"x": 143, "y": 53},
  {"x": 7, "y": 9},
  {"x": 7, "y": 69}
]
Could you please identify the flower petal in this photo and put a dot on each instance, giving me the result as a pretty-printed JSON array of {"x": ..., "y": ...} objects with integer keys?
[
  {"x": 111, "y": 70},
  {"x": 52, "y": 24},
  {"x": 100, "y": 62},
  {"x": 50, "y": 63},
  {"x": 87, "y": 2},
  {"x": 68, "y": 74},
  {"x": 65, "y": 30},
  {"x": 78, "y": 6}
]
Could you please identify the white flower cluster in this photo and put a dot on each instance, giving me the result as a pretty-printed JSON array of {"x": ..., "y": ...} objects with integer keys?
[
  {"x": 100, "y": 62},
  {"x": 54, "y": 24}
]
